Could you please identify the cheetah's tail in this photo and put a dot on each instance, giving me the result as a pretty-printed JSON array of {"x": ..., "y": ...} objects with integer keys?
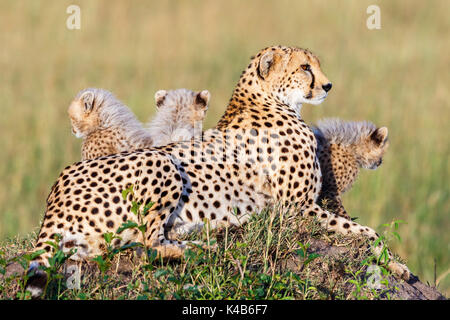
[
  {"x": 37, "y": 280},
  {"x": 36, "y": 277}
]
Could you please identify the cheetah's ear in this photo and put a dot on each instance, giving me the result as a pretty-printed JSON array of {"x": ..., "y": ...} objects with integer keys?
[
  {"x": 88, "y": 99},
  {"x": 160, "y": 96},
  {"x": 202, "y": 99},
  {"x": 267, "y": 63},
  {"x": 380, "y": 135}
]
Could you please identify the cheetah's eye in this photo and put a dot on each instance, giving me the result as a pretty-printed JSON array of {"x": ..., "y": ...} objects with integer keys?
[{"x": 306, "y": 67}]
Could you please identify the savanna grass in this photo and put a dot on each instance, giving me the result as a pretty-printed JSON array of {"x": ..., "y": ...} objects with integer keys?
[{"x": 270, "y": 257}]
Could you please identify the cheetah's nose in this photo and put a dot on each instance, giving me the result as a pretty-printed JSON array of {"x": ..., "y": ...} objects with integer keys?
[{"x": 327, "y": 87}]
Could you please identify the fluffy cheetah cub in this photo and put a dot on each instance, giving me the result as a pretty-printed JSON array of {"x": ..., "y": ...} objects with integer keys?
[
  {"x": 343, "y": 147},
  {"x": 107, "y": 126},
  {"x": 180, "y": 115}
]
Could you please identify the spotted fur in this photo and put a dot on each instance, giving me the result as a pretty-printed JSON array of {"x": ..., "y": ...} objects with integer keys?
[
  {"x": 260, "y": 152},
  {"x": 343, "y": 148},
  {"x": 180, "y": 115},
  {"x": 107, "y": 126}
]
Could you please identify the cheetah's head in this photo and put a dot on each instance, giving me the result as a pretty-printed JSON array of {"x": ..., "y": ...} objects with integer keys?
[{"x": 293, "y": 76}]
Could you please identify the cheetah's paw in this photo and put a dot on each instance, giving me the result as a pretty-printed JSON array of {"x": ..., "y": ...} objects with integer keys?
[{"x": 399, "y": 270}]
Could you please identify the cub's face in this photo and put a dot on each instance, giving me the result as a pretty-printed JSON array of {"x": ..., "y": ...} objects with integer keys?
[
  {"x": 371, "y": 151},
  {"x": 294, "y": 76},
  {"x": 83, "y": 116}
]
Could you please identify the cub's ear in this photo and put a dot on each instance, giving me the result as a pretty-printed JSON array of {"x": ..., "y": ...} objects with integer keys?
[
  {"x": 88, "y": 99},
  {"x": 380, "y": 135},
  {"x": 160, "y": 96},
  {"x": 202, "y": 99},
  {"x": 267, "y": 62}
]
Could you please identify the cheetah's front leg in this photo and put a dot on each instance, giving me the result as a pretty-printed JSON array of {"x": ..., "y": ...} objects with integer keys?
[
  {"x": 341, "y": 225},
  {"x": 333, "y": 203}
]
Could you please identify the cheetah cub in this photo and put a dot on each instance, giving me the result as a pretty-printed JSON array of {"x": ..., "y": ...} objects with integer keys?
[
  {"x": 107, "y": 126},
  {"x": 180, "y": 115},
  {"x": 343, "y": 147}
]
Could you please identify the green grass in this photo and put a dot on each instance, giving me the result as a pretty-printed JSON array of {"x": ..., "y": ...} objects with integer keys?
[
  {"x": 396, "y": 77},
  {"x": 271, "y": 257}
]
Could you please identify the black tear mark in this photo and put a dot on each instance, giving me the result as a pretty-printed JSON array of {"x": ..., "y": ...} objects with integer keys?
[
  {"x": 309, "y": 95},
  {"x": 258, "y": 72},
  {"x": 313, "y": 79}
]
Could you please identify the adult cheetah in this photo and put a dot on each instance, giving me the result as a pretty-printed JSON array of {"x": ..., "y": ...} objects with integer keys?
[
  {"x": 260, "y": 151},
  {"x": 107, "y": 126},
  {"x": 344, "y": 147}
]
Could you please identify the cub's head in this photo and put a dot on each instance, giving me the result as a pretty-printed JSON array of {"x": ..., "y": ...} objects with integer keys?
[
  {"x": 184, "y": 106},
  {"x": 94, "y": 109},
  {"x": 292, "y": 75},
  {"x": 362, "y": 139},
  {"x": 83, "y": 112},
  {"x": 371, "y": 149}
]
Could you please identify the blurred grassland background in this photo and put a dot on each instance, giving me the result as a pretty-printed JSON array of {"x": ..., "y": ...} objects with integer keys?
[{"x": 397, "y": 77}]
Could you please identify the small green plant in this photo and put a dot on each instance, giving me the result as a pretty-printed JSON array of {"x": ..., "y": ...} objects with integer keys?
[
  {"x": 392, "y": 228},
  {"x": 55, "y": 262},
  {"x": 21, "y": 280},
  {"x": 371, "y": 281},
  {"x": 140, "y": 210},
  {"x": 303, "y": 253},
  {"x": 382, "y": 288},
  {"x": 104, "y": 262},
  {"x": 390, "y": 233}
]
